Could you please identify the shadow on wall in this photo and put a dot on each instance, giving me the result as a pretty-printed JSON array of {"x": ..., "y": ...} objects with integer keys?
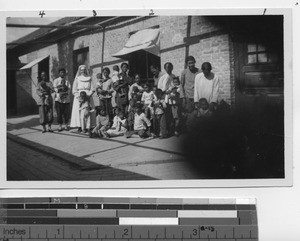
[{"x": 26, "y": 105}]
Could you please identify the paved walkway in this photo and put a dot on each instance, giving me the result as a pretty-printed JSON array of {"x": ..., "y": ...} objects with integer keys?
[{"x": 83, "y": 158}]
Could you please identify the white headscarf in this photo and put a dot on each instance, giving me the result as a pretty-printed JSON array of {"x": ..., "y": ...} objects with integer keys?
[{"x": 86, "y": 76}]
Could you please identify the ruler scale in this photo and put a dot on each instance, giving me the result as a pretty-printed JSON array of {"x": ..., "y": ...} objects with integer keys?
[{"x": 126, "y": 219}]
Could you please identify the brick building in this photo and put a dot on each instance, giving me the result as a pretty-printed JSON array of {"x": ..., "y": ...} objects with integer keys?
[{"x": 245, "y": 51}]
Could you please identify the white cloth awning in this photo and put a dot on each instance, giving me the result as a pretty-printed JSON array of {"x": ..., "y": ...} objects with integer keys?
[
  {"x": 34, "y": 62},
  {"x": 147, "y": 39}
]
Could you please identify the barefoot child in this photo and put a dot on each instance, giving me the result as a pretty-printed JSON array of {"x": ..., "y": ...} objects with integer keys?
[
  {"x": 141, "y": 125},
  {"x": 102, "y": 123},
  {"x": 119, "y": 127}
]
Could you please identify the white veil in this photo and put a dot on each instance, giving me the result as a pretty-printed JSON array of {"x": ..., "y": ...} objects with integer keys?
[{"x": 86, "y": 76}]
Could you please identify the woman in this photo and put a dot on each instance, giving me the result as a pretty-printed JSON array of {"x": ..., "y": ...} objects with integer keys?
[
  {"x": 207, "y": 86},
  {"x": 165, "y": 82},
  {"x": 82, "y": 82},
  {"x": 45, "y": 102}
]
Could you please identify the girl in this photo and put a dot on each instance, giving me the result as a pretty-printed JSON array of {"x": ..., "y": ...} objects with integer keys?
[
  {"x": 102, "y": 123},
  {"x": 165, "y": 81},
  {"x": 147, "y": 99},
  {"x": 119, "y": 127}
]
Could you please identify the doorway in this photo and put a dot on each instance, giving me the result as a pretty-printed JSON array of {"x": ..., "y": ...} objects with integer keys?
[{"x": 140, "y": 62}]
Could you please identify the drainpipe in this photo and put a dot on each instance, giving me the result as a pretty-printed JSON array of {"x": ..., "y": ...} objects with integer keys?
[{"x": 102, "y": 50}]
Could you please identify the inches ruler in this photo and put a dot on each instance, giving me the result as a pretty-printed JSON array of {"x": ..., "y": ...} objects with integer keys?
[{"x": 127, "y": 219}]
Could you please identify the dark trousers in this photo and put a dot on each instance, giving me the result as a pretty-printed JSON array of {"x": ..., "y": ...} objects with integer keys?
[
  {"x": 106, "y": 104},
  {"x": 46, "y": 114},
  {"x": 63, "y": 112},
  {"x": 160, "y": 125}
]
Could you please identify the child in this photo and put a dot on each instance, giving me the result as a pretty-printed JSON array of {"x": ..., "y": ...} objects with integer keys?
[
  {"x": 115, "y": 73},
  {"x": 121, "y": 87},
  {"x": 203, "y": 110},
  {"x": 160, "y": 124},
  {"x": 84, "y": 111},
  {"x": 62, "y": 90},
  {"x": 141, "y": 124},
  {"x": 45, "y": 90},
  {"x": 173, "y": 101},
  {"x": 131, "y": 112},
  {"x": 136, "y": 87},
  {"x": 104, "y": 91},
  {"x": 147, "y": 99},
  {"x": 102, "y": 123},
  {"x": 119, "y": 127}
]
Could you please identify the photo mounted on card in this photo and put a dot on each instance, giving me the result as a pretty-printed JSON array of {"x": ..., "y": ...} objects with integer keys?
[{"x": 152, "y": 98}]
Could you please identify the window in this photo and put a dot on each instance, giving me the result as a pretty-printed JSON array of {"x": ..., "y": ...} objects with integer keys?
[
  {"x": 80, "y": 57},
  {"x": 258, "y": 53}
]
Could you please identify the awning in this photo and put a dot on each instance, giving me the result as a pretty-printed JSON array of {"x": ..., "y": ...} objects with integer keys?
[
  {"x": 34, "y": 62},
  {"x": 147, "y": 39}
]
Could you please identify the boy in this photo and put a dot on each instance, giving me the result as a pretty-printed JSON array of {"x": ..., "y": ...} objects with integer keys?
[
  {"x": 147, "y": 99},
  {"x": 141, "y": 124},
  {"x": 160, "y": 124},
  {"x": 104, "y": 91},
  {"x": 62, "y": 89}
]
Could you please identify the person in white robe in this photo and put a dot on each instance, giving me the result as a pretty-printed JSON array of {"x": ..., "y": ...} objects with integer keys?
[{"x": 82, "y": 82}]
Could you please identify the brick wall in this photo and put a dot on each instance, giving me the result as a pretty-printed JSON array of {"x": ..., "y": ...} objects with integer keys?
[
  {"x": 173, "y": 30},
  {"x": 214, "y": 49}
]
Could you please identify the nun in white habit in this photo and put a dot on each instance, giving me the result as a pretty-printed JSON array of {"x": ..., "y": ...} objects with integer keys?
[{"x": 82, "y": 82}]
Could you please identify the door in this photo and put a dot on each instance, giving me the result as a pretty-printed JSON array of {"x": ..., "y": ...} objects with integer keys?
[
  {"x": 260, "y": 83},
  {"x": 140, "y": 62},
  {"x": 81, "y": 57}
]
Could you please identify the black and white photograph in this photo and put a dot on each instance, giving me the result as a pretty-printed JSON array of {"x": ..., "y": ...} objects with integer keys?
[{"x": 147, "y": 97}]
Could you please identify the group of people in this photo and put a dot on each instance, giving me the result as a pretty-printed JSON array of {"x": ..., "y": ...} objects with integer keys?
[{"x": 127, "y": 105}]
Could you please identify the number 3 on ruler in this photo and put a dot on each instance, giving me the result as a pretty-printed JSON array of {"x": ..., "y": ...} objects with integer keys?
[{"x": 195, "y": 232}]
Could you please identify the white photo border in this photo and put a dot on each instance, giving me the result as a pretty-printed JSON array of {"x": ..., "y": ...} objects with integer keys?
[{"x": 164, "y": 184}]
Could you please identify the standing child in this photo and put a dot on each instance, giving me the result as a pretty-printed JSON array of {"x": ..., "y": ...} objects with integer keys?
[
  {"x": 174, "y": 98},
  {"x": 141, "y": 124},
  {"x": 136, "y": 87},
  {"x": 173, "y": 101},
  {"x": 84, "y": 112},
  {"x": 45, "y": 102},
  {"x": 115, "y": 73},
  {"x": 119, "y": 127},
  {"x": 147, "y": 99},
  {"x": 104, "y": 90},
  {"x": 102, "y": 123},
  {"x": 160, "y": 124},
  {"x": 131, "y": 111}
]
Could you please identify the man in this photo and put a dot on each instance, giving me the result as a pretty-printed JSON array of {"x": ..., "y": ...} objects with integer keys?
[
  {"x": 187, "y": 81},
  {"x": 156, "y": 74},
  {"x": 207, "y": 86},
  {"x": 62, "y": 89}
]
